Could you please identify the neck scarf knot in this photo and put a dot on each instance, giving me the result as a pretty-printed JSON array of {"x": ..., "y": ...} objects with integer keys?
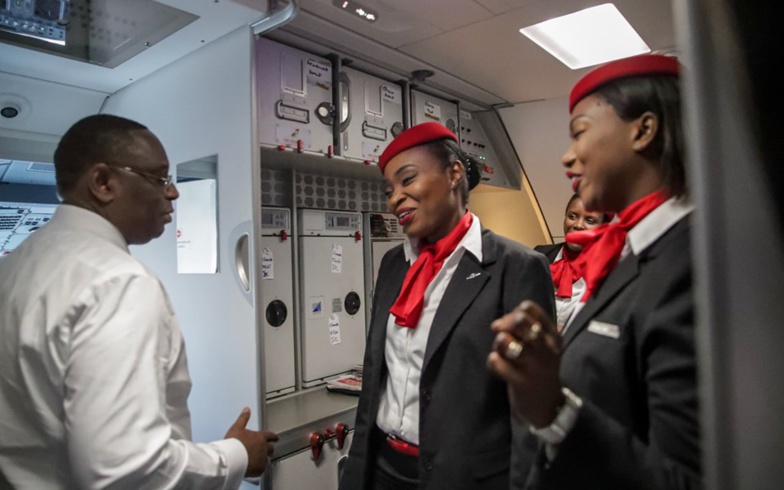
[
  {"x": 409, "y": 304},
  {"x": 564, "y": 273},
  {"x": 602, "y": 246}
]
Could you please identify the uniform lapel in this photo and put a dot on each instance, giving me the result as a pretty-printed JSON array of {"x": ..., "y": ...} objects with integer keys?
[
  {"x": 626, "y": 271},
  {"x": 387, "y": 295},
  {"x": 393, "y": 281},
  {"x": 466, "y": 283}
]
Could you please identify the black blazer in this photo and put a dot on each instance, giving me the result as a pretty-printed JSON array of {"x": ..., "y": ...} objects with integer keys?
[
  {"x": 550, "y": 251},
  {"x": 638, "y": 427},
  {"x": 465, "y": 427}
]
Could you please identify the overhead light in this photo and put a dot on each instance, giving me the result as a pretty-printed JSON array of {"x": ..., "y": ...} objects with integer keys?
[
  {"x": 356, "y": 9},
  {"x": 588, "y": 37}
]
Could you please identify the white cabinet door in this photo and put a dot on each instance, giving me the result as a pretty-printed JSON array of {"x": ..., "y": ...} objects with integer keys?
[{"x": 300, "y": 472}]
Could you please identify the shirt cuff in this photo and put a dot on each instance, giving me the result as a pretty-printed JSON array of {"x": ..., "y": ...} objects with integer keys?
[
  {"x": 236, "y": 460},
  {"x": 564, "y": 422}
]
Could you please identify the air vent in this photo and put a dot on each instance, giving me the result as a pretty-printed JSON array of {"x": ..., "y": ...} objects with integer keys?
[
  {"x": 41, "y": 167},
  {"x": 26, "y": 172}
]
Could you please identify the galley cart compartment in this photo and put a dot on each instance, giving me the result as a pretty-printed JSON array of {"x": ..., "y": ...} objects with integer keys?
[
  {"x": 294, "y": 93},
  {"x": 373, "y": 115},
  {"x": 277, "y": 292},
  {"x": 428, "y": 108},
  {"x": 333, "y": 291},
  {"x": 382, "y": 234}
]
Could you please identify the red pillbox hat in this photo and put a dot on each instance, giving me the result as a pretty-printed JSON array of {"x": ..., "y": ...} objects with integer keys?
[
  {"x": 646, "y": 64},
  {"x": 414, "y": 136}
]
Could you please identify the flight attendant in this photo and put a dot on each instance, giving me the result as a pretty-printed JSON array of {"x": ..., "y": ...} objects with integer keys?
[
  {"x": 431, "y": 415},
  {"x": 613, "y": 402},
  {"x": 567, "y": 279}
]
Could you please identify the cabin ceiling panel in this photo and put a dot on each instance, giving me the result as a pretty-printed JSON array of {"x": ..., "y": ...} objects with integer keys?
[
  {"x": 394, "y": 27},
  {"x": 492, "y": 54}
]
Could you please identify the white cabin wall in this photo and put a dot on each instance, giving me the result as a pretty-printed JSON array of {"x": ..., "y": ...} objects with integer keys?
[
  {"x": 540, "y": 133},
  {"x": 198, "y": 106}
]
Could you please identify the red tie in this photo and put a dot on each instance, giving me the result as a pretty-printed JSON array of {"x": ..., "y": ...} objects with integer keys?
[
  {"x": 408, "y": 306},
  {"x": 565, "y": 273},
  {"x": 602, "y": 246}
]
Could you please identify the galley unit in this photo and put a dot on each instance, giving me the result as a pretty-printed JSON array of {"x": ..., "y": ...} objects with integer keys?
[{"x": 319, "y": 141}]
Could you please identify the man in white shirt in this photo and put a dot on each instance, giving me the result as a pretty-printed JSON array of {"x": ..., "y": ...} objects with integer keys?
[{"x": 93, "y": 374}]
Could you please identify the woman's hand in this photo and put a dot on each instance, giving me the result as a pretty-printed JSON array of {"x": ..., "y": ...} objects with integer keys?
[{"x": 527, "y": 355}]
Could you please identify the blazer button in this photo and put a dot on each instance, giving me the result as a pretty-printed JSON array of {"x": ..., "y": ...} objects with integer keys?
[
  {"x": 428, "y": 464},
  {"x": 426, "y": 396}
]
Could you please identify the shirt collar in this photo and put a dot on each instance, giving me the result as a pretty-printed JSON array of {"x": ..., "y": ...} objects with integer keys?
[
  {"x": 656, "y": 224},
  {"x": 471, "y": 242},
  {"x": 82, "y": 220}
]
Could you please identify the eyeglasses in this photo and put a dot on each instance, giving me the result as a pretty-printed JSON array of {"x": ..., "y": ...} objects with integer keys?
[{"x": 164, "y": 182}]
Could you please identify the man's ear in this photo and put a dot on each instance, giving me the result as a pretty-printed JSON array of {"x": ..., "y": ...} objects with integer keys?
[
  {"x": 646, "y": 127},
  {"x": 102, "y": 183}
]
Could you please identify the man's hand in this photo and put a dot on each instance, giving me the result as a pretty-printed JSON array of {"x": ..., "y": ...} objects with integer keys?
[{"x": 258, "y": 444}]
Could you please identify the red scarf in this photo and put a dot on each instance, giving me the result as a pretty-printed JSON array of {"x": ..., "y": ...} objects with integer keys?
[
  {"x": 602, "y": 246},
  {"x": 565, "y": 273},
  {"x": 408, "y": 306}
]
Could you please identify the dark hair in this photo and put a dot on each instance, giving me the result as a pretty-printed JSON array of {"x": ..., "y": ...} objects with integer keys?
[
  {"x": 633, "y": 96},
  {"x": 447, "y": 151},
  {"x": 606, "y": 218},
  {"x": 94, "y": 139}
]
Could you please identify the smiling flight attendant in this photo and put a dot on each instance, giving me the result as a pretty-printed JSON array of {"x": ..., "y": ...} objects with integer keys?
[
  {"x": 431, "y": 416},
  {"x": 613, "y": 403}
]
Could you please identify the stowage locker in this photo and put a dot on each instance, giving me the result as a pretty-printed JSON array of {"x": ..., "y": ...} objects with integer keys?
[
  {"x": 277, "y": 292},
  {"x": 428, "y": 108},
  {"x": 373, "y": 111},
  {"x": 294, "y": 94},
  {"x": 333, "y": 292}
]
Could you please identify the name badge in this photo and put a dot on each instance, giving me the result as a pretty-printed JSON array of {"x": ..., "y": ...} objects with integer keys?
[{"x": 604, "y": 329}]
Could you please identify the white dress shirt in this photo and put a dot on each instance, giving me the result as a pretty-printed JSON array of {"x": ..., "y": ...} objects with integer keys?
[
  {"x": 398, "y": 412},
  {"x": 565, "y": 306},
  {"x": 93, "y": 375}
]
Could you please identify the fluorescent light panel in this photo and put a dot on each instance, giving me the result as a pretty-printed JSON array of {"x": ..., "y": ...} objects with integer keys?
[{"x": 588, "y": 37}]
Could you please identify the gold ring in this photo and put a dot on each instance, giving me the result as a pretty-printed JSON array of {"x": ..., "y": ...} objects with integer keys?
[
  {"x": 513, "y": 350},
  {"x": 533, "y": 333}
]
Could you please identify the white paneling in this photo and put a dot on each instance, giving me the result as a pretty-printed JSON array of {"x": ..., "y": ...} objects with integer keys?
[
  {"x": 201, "y": 105},
  {"x": 45, "y": 107},
  {"x": 540, "y": 134}
]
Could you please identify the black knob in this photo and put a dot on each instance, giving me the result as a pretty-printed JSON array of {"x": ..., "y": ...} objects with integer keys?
[
  {"x": 276, "y": 313},
  {"x": 352, "y": 303}
]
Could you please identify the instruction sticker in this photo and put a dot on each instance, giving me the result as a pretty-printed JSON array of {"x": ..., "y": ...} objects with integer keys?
[
  {"x": 337, "y": 258},
  {"x": 316, "y": 307},
  {"x": 433, "y": 111},
  {"x": 288, "y": 134},
  {"x": 391, "y": 94},
  {"x": 319, "y": 74},
  {"x": 267, "y": 265},
  {"x": 337, "y": 305},
  {"x": 334, "y": 330},
  {"x": 465, "y": 115},
  {"x": 371, "y": 150}
]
